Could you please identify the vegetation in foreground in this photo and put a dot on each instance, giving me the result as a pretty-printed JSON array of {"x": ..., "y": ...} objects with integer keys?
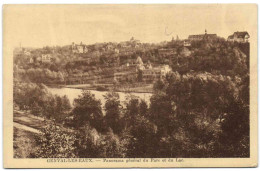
[{"x": 201, "y": 111}]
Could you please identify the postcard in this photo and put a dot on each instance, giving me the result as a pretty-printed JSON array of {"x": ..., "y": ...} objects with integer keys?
[{"x": 130, "y": 86}]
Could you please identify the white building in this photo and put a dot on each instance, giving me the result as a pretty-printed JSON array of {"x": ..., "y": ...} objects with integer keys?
[
  {"x": 46, "y": 58},
  {"x": 81, "y": 48},
  {"x": 241, "y": 37}
]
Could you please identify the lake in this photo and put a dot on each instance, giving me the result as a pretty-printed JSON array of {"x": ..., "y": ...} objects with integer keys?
[{"x": 73, "y": 93}]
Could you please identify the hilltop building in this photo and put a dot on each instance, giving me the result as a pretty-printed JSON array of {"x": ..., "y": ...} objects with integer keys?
[
  {"x": 135, "y": 41},
  {"x": 81, "y": 48},
  {"x": 132, "y": 43},
  {"x": 186, "y": 43},
  {"x": 44, "y": 58},
  {"x": 241, "y": 37},
  {"x": 177, "y": 38},
  {"x": 109, "y": 47},
  {"x": 200, "y": 37},
  {"x": 27, "y": 52}
]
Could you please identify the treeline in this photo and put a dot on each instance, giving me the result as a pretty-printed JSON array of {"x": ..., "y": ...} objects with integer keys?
[
  {"x": 226, "y": 58},
  {"x": 219, "y": 57},
  {"x": 191, "y": 115},
  {"x": 37, "y": 99},
  {"x": 39, "y": 75}
]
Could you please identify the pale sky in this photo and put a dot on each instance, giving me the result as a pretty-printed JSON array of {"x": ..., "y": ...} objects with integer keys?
[{"x": 37, "y": 26}]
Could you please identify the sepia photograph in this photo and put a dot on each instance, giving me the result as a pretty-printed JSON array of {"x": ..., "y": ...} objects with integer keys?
[{"x": 129, "y": 84}]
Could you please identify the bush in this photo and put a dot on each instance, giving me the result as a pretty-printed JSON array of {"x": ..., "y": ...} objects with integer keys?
[
  {"x": 55, "y": 142},
  {"x": 35, "y": 97}
]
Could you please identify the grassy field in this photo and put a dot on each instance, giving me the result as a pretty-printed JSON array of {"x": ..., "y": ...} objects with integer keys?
[
  {"x": 146, "y": 88},
  {"x": 24, "y": 143},
  {"x": 26, "y": 129}
]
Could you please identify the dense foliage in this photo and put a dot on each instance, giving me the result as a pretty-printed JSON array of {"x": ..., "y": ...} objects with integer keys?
[
  {"x": 201, "y": 109},
  {"x": 195, "y": 115},
  {"x": 37, "y": 98}
]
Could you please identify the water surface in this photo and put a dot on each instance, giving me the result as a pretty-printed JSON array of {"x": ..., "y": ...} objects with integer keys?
[{"x": 73, "y": 93}]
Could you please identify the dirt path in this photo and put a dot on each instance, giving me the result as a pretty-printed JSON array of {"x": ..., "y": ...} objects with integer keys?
[
  {"x": 25, "y": 120},
  {"x": 26, "y": 128}
]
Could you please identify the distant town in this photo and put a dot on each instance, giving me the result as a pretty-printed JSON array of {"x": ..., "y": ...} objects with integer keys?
[
  {"x": 126, "y": 63},
  {"x": 188, "y": 97}
]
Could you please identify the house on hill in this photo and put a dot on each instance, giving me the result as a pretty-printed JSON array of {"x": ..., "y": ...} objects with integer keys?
[
  {"x": 27, "y": 52},
  {"x": 109, "y": 47},
  {"x": 135, "y": 41},
  {"x": 241, "y": 37},
  {"x": 46, "y": 58},
  {"x": 81, "y": 48},
  {"x": 152, "y": 74},
  {"x": 31, "y": 60},
  {"x": 149, "y": 73},
  {"x": 186, "y": 43},
  {"x": 132, "y": 43},
  {"x": 205, "y": 36}
]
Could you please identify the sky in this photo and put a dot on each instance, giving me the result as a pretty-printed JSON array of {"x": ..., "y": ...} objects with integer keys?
[{"x": 42, "y": 25}]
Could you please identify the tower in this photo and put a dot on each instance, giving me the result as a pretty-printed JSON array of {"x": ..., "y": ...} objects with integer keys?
[{"x": 177, "y": 37}]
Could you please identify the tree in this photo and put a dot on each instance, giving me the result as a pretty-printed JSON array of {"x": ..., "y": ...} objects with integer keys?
[
  {"x": 87, "y": 110},
  {"x": 143, "y": 108},
  {"x": 204, "y": 112},
  {"x": 60, "y": 108},
  {"x": 158, "y": 85},
  {"x": 113, "y": 111},
  {"x": 111, "y": 146},
  {"x": 131, "y": 111},
  {"x": 162, "y": 113},
  {"x": 140, "y": 139},
  {"x": 60, "y": 77},
  {"x": 87, "y": 142},
  {"x": 140, "y": 76}
]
